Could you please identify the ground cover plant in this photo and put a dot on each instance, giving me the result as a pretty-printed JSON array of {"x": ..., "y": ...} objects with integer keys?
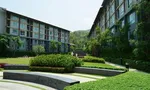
[
  {"x": 21, "y": 60},
  {"x": 126, "y": 81},
  {"x": 54, "y": 63}
]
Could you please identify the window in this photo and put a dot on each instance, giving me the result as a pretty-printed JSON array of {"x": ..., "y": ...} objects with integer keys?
[
  {"x": 35, "y": 29},
  {"x": 41, "y": 36},
  {"x": 15, "y": 18},
  {"x": 23, "y": 21},
  {"x": 122, "y": 23},
  {"x": 121, "y": 10},
  {"x": 14, "y": 24},
  {"x": 112, "y": 20},
  {"x": 113, "y": 31},
  {"x": 35, "y": 35},
  {"x": 42, "y": 31},
  {"x": 132, "y": 18},
  {"x": 112, "y": 9},
  {"x": 35, "y": 24},
  {"x": 14, "y": 32},
  {"x": 120, "y": 2},
  {"x": 22, "y": 33},
  {"x": 23, "y": 26},
  {"x": 130, "y": 3},
  {"x": 42, "y": 26}
]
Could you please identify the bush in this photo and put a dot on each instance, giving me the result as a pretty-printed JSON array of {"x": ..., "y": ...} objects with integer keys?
[
  {"x": 137, "y": 64},
  {"x": 56, "y": 60},
  {"x": 38, "y": 49},
  {"x": 48, "y": 69},
  {"x": 93, "y": 59}
]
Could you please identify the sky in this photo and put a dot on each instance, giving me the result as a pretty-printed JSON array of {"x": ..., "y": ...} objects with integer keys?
[{"x": 68, "y": 14}]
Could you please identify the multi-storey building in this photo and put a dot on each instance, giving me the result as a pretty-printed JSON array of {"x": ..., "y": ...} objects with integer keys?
[
  {"x": 32, "y": 32},
  {"x": 113, "y": 11}
]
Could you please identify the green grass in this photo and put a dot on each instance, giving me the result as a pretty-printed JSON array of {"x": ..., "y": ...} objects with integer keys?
[
  {"x": 100, "y": 65},
  {"x": 15, "y": 60},
  {"x": 126, "y": 81}
]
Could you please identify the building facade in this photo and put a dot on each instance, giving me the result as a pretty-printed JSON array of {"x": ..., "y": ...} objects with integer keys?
[
  {"x": 33, "y": 32},
  {"x": 113, "y": 11}
]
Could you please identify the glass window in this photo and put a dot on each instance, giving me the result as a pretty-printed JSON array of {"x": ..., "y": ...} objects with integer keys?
[
  {"x": 113, "y": 31},
  {"x": 13, "y": 31},
  {"x": 14, "y": 24},
  {"x": 120, "y": 2},
  {"x": 23, "y": 20},
  {"x": 122, "y": 23},
  {"x": 22, "y": 33},
  {"x": 35, "y": 24},
  {"x": 112, "y": 9},
  {"x": 35, "y": 29},
  {"x": 23, "y": 26},
  {"x": 42, "y": 26},
  {"x": 35, "y": 35},
  {"x": 121, "y": 10},
  {"x": 132, "y": 18},
  {"x": 41, "y": 36},
  {"x": 112, "y": 20},
  {"x": 15, "y": 18},
  {"x": 42, "y": 31},
  {"x": 130, "y": 2}
]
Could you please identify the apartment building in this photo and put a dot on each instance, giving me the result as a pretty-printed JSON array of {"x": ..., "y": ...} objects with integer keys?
[
  {"x": 32, "y": 32},
  {"x": 113, "y": 11}
]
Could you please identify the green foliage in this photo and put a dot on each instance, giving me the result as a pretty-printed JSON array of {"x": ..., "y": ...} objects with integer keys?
[
  {"x": 38, "y": 49},
  {"x": 127, "y": 81},
  {"x": 94, "y": 45},
  {"x": 48, "y": 69},
  {"x": 142, "y": 43},
  {"x": 79, "y": 38},
  {"x": 5, "y": 41},
  {"x": 56, "y": 60},
  {"x": 138, "y": 64},
  {"x": 93, "y": 59}
]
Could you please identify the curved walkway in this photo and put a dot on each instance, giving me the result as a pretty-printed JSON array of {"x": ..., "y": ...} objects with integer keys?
[{"x": 20, "y": 85}]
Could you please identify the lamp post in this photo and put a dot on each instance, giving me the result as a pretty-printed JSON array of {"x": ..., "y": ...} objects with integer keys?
[{"x": 127, "y": 66}]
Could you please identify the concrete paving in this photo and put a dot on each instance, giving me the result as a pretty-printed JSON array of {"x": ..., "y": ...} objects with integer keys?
[
  {"x": 19, "y": 85},
  {"x": 75, "y": 76}
]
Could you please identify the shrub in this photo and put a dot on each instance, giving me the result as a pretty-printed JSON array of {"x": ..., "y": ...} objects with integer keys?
[
  {"x": 56, "y": 60},
  {"x": 38, "y": 49},
  {"x": 93, "y": 59},
  {"x": 48, "y": 69}
]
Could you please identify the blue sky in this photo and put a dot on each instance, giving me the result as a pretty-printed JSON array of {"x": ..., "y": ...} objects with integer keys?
[{"x": 69, "y": 14}]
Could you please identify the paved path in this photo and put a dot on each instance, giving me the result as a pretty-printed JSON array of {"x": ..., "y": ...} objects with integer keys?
[
  {"x": 20, "y": 85},
  {"x": 75, "y": 76},
  {"x": 120, "y": 66}
]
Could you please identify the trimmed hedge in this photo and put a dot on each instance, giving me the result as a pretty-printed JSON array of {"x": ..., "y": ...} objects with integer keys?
[
  {"x": 93, "y": 59},
  {"x": 48, "y": 69},
  {"x": 138, "y": 64},
  {"x": 56, "y": 60}
]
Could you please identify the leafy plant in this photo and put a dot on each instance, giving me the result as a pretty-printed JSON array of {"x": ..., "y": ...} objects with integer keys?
[
  {"x": 56, "y": 60},
  {"x": 93, "y": 59},
  {"x": 38, "y": 49}
]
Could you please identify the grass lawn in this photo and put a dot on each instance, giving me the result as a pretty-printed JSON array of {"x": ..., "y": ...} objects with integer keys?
[
  {"x": 99, "y": 65},
  {"x": 15, "y": 60},
  {"x": 126, "y": 81}
]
